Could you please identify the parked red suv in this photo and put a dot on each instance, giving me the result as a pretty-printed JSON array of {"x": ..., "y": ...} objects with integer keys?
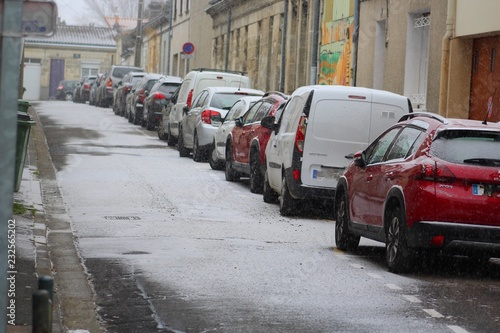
[
  {"x": 246, "y": 145},
  {"x": 426, "y": 185}
]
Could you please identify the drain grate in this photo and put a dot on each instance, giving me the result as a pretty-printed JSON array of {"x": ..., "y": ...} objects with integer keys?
[{"x": 126, "y": 218}]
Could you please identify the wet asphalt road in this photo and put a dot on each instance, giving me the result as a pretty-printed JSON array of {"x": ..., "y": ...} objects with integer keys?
[{"x": 170, "y": 246}]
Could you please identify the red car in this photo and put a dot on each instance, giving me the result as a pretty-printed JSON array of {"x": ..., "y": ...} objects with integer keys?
[
  {"x": 246, "y": 145},
  {"x": 428, "y": 185}
]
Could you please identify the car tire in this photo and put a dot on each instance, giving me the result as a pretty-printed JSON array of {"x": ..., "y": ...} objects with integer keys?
[
  {"x": 161, "y": 133},
  {"x": 136, "y": 119},
  {"x": 256, "y": 178},
  {"x": 129, "y": 117},
  {"x": 183, "y": 151},
  {"x": 171, "y": 141},
  {"x": 269, "y": 195},
  {"x": 288, "y": 205},
  {"x": 215, "y": 164},
  {"x": 149, "y": 125},
  {"x": 231, "y": 175},
  {"x": 399, "y": 257},
  {"x": 198, "y": 153},
  {"x": 344, "y": 239}
]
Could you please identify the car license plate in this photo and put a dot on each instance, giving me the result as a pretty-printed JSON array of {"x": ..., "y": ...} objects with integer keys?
[{"x": 477, "y": 189}]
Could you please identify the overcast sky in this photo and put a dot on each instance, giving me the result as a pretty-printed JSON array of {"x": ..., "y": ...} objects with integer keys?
[{"x": 69, "y": 10}]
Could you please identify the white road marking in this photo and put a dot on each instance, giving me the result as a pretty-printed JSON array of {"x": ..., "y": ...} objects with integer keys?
[
  {"x": 433, "y": 313},
  {"x": 457, "y": 329},
  {"x": 393, "y": 286},
  {"x": 412, "y": 299}
]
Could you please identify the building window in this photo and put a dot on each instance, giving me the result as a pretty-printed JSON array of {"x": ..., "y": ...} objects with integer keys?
[
  {"x": 32, "y": 61},
  {"x": 417, "y": 59}
]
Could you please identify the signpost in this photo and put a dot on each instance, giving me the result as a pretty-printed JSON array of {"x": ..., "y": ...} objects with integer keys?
[{"x": 18, "y": 18}]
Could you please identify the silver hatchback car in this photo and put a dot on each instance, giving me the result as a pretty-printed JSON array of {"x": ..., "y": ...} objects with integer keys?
[{"x": 198, "y": 126}]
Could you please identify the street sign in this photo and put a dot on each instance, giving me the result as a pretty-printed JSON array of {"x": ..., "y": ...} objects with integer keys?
[
  {"x": 39, "y": 18},
  {"x": 188, "y": 48}
]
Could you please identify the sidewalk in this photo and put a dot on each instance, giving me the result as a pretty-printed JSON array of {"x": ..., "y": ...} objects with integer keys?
[
  {"x": 45, "y": 247},
  {"x": 32, "y": 259}
]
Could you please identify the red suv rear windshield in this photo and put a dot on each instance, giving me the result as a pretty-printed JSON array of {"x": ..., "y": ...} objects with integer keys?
[{"x": 467, "y": 147}]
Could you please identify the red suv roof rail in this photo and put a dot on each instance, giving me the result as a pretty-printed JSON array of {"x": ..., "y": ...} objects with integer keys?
[{"x": 424, "y": 114}]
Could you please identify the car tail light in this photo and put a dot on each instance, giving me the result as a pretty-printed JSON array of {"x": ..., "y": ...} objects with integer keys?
[
  {"x": 436, "y": 172},
  {"x": 207, "y": 115},
  {"x": 141, "y": 95},
  {"x": 109, "y": 83},
  {"x": 127, "y": 89},
  {"x": 61, "y": 87},
  {"x": 296, "y": 174},
  {"x": 437, "y": 241},
  {"x": 159, "y": 95},
  {"x": 190, "y": 98},
  {"x": 86, "y": 86},
  {"x": 301, "y": 133}
]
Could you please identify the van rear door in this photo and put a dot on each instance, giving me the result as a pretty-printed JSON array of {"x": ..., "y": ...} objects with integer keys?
[{"x": 336, "y": 129}]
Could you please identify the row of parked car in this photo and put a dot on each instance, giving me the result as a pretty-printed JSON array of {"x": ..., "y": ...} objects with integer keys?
[{"x": 420, "y": 183}]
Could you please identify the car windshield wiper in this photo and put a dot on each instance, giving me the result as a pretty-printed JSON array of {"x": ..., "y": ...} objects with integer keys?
[{"x": 483, "y": 161}]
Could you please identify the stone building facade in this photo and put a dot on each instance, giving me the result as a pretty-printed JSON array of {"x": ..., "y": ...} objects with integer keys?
[
  {"x": 256, "y": 43},
  {"x": 71, "y": 53}
]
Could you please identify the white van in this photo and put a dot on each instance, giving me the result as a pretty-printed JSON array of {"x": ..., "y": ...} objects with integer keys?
[
  {"x": 320, "y": 130},
  {"x": 194, "y": 82}
]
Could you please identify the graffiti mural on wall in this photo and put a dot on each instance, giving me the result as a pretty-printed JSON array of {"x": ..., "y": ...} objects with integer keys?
[{"x": 336, "y": 42}]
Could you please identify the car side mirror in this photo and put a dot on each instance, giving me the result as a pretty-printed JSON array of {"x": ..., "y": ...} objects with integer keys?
[
  {"x": 268, "y": 122},
  {"x": 185, "y": 109},
  {"x": 239, "y": 121},
  {"x": 359, "y": 159},
  {"x": 146, "y": 93}
]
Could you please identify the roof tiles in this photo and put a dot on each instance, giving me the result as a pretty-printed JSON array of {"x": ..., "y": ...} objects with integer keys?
[{"x": 78, "y": 35}]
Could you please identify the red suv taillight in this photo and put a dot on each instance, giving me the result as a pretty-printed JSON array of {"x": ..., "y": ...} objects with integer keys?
[
  {"x": 159, "y": 95},
  {"x": 436, "y": 172},
  {"x": 190, "y": 98},
  {"x": 301, "y": 134},
  {"x": 207, "y": 115}
]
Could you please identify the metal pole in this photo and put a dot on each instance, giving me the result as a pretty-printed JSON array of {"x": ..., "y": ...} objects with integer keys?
[
  {"x": 283, "y": 47},
  {"x": 228, "y": 38},
  {"x": 355, "y": 38},
  {"x": 10, "y": 50},
  {"x": 315, "y": 41},
  {"x": 169, "y": 37},
  {"x": 138, "y": 40},
  {"x": 42, "y": 312}
]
